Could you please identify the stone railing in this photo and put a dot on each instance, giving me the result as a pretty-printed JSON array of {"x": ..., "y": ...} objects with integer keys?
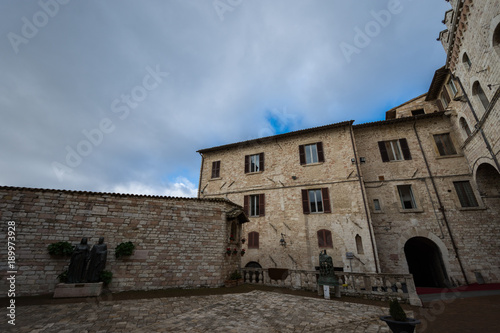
[{"x": 378, "y": 286}]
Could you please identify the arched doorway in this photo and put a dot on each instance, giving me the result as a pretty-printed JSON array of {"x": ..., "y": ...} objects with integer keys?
[
  {"x": 425, "y": 263},
  {"x": 488, "y": 180}
]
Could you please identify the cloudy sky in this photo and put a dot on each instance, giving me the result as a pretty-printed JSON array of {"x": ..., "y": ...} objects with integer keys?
[{"x": 117, "y": 96}]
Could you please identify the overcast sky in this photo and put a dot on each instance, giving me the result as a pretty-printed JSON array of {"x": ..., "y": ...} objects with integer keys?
[{"x": 117, "y": 96}]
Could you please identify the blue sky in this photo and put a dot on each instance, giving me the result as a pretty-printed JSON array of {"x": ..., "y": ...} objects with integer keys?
[{"x": 117, "y": 96}]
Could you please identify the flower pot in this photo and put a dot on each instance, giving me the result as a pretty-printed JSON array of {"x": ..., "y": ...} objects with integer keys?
[{"x": 407, "y": 326}]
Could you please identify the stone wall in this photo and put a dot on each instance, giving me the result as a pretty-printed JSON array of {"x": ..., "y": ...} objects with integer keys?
[{"x": 180, "y": 243}]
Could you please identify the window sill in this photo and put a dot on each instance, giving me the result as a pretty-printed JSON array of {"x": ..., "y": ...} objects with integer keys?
[
  {"x": 378, "y": 212},
  {"x": 471, "y": 208},
  {"x": 415, "y": 210},
  {"x": 213, "y": 179},
  {"x": 448, "y": 156},
  {"x": 312, "y": 164},
  {"x": 254, "y": 173}
]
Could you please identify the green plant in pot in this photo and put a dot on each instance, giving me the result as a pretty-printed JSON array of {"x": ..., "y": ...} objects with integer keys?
[
  {"x": 397, "y": 320},
  {"x": 235, "y": 279}
]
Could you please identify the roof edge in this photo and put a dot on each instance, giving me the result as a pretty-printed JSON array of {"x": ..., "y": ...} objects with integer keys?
[{"x": 401, "y": 120}]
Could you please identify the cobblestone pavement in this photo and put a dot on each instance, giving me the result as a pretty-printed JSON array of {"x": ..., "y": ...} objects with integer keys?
[{"x": 256, "y": 311}]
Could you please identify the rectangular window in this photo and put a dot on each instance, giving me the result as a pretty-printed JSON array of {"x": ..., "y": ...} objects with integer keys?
[
  {"x": 417, "y": 112},
  {"x": 394, "y": 150},
  {"x": 325, "y": 238},
  {"x": 216, "y": 169},
  {"x": 311, "y": 153},
  {"x": 376, "y": 205},
  {"x": 406, "y": 196},
  {"x": 452, "y": 86},
  {"x": 253, "y": 240},
  {"x": 316, "y": 201},
  {"x": 254, "y": 163},
  {"x": 465, "y": 194},
  {"x": 254, "y": 205},
  {"x": 444, "y": 144}
]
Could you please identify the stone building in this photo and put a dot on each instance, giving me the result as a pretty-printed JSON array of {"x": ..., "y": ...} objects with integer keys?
[{"x": 418, "y": 192}]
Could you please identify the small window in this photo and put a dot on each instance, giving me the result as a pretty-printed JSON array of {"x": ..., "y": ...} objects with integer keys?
[
  {"x": 479, "y": 94},
  {"x": 254, "y": 205},
  {"x": 254, "y": 163},
  {"x": 444, "y": 144},
  {"x": 453, "y": 87},
  {"x": 216, "y": 169},
  {"x": 465, "y": 194},
  {"x": 466, "y": 61},
  {"x": 394, "y": 150},
  {"x": 376, "y": 205},
  {"x": 253, "y": 240},
  {"x": 316, "y": 201},
  {"x": 359, "y": 245},
  {"x": 496, "y": 39},
  {"x": 406, "y": 197},
  {"x": 311, "y": 153},
  {"x": 417, "y": 112},
  {"x": 325, "y": 238},
  {"x": 465, "y": 126}
]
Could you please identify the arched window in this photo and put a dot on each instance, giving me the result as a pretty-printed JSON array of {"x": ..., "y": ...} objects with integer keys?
[
  {"x": 359, "y": 245},
  {"x": 466, "y": 61},
  {"x": 234, "y": 232},
  {"x": 496, "y": 39},
  {"x": 465, "y": 126},
  {"x": 253, "y": 240},
  {"x": 325, "y": 238},
  {"x": 479, "y": 94}
]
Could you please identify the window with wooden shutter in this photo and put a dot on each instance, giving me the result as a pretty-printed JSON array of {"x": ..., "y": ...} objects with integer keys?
[
  {"x": 465, "y": 194},
  {"x": 325, "y": 238},
  {"x": 262, "y": 205},
  {"x": 406, "y": 150},
  {"x": 253, "y": 240},
  {"x": 444, "y": 144},
  {"x": 311, "y": 153},
  {"x": 321, "y": 155},
  {"x": 326, "y": 200},
  {"x": 394, "y": 150},
  {"x": 216, "y": 169},
  {"x": 316, "y": 201},
  {"x": 246, "y": 205},
  {"x": 254, "y": 163},
  {"x": 302, "y": 154},
  {"x": 261, "y": 162},
  {"x": 254, "y": 205},
  {"x": 305, "y": 201}
]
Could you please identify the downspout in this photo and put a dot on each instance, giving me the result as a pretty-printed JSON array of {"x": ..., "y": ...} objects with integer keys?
[
  {"x": 368, "y": 220},
  {"x": 441, "y": 207},
  {"x": 201, "y": 174},
  {"x": 486, "y": 142}
]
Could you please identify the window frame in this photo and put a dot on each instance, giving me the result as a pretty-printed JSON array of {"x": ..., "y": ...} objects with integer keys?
[
  {"x": 215, "y": 169},
  {"x": 402, "y": 146},
  {"x": 415, "y": 205},
  {"x": 319, "y": 154},
  {"x": 253, "y": 240},
  {"x": 254, "y": 163},
  {"x": 325, "y": 201},
  {"x": 254, "y": 202},
  {"x": 324, "y": 238},
  {"x": 446, "y": 151},
  {"x": 465, "y": 194}
]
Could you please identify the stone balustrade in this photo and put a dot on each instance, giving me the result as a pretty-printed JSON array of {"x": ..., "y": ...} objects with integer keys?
[{"x": 379, "y": 286}]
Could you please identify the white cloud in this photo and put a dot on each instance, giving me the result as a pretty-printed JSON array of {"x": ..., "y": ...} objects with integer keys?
[{"x": 182, "y": 187}]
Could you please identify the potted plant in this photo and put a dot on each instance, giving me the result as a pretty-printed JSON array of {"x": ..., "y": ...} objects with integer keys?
[
  {"x": 228, "y": 251},
  {"x": 243, "y": 240},
  {"x": 231, "y": 238},
  {"x": 397, "y": 320},
  {"x": 60, "y": 249},
  {"x": 242, "y": 252},
  {"x": 235, "y": 251},
  {"x": 235, "y": 279},
  {"x": 124, "y": 249}
]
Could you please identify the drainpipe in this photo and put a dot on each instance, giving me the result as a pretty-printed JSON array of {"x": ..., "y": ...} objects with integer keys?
[
  {"x": 487, "y": 143},
  {"x": 368, "y": 220},
  {"x": 201, "y": 174},
  {"x": 441, "y": 207}
]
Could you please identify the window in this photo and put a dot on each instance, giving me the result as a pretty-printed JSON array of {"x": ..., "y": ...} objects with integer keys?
[
  {"x": 465, "y": 194},
  {"x": 359, "y": 245},
  {"x": 216, "y": 169},
  {"x": 406, "y": 196},
  {"x": 465, "y": 126},
  {"x": 466, "y": 61},
  {"x": 325, "y": 238},
  {"x": 453, "y": 87},
  {"x": 254, "y": 163},
  {"x": 417, "y": 112},
  {"x": 253, "y": 240},
  {"x": 312, "y": 153},
  {"x": 254, "y": 205},
  {"x": 496, "y": 39},
  {"x": 376, "y": 205},
  {"x": 316, "y": 201},
  {"x": 479, "y": 94},
  {"x": 394, "y": 150},
  {"x": 444, "y": 144}
]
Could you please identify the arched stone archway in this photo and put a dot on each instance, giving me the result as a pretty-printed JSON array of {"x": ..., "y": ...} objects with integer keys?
[
  {"x": 488, "y": 180},
  {"x": 425, "y": 262}
]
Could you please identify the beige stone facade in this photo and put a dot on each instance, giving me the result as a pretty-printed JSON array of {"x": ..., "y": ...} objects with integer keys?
[{"x": 418, "y": 192}]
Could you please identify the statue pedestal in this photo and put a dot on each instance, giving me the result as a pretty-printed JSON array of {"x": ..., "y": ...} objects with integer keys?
[{"x": 64, "y": 290}]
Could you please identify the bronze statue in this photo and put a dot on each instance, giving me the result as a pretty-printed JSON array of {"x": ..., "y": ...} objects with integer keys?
[
  {"x": 78, "y": 263},
  {"x": 97, "y": 262},
  {"x": 326, "y": 272}
]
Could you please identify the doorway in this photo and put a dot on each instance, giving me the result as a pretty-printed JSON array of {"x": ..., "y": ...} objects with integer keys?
[{"x": 425, "y": 263}]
